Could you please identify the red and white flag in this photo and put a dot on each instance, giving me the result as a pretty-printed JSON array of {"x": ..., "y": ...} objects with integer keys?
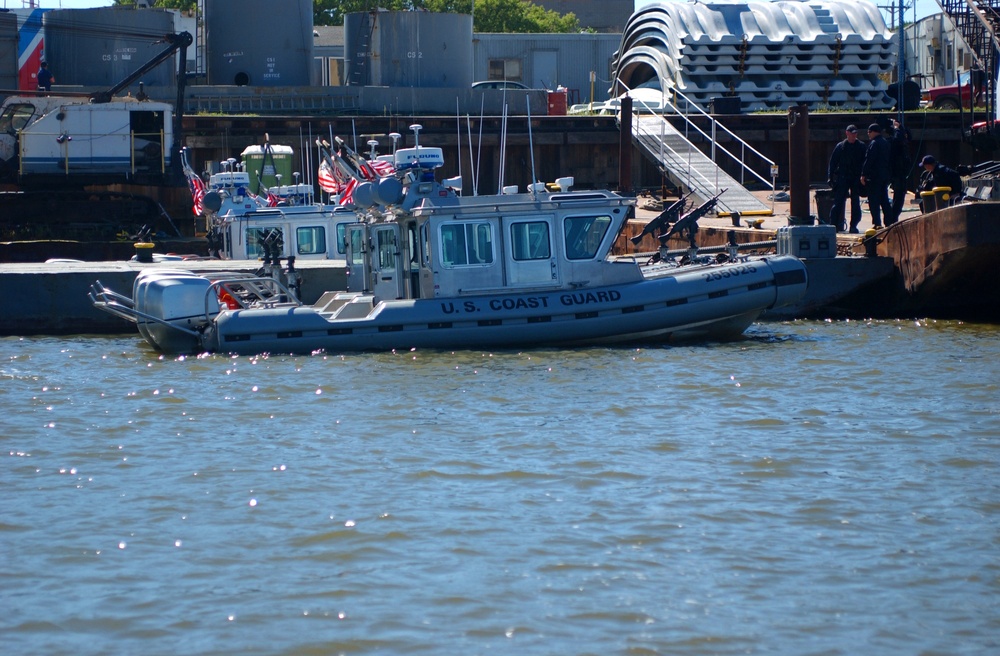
[
  {"x": 328, "y": 181},
  {"x": 197, "y": 187},
  {"x": 347, "y": 197},
  {"x": 383, "y": 167}
]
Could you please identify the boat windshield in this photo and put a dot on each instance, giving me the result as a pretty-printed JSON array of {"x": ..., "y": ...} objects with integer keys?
[
  {"x": 584, "y": 235},
  {"x": 15, "y": 117}
]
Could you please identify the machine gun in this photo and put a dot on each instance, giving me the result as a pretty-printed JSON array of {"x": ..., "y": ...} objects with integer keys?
[
  {"x": 689, "y": 221},
  {"x": 669, "y": 215}
]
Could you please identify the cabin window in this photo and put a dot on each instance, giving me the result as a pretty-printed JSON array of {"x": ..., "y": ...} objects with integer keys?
[
  {"x": 310, "y": 241},
  {"x": 425, "y": 240},
  {"x": 259, "y": 240},
  {"x": 15, "y": 117},
  {"x": 530, "y": 241},
  {"x": 413, "y": 246},
  {"x": 466, "y": 244},
  {"x": 584, "y": 235},
  {"x": 358, "y": 247},
  {"x": 386, "y": 250},
  {"x": 341, "y": 238}
]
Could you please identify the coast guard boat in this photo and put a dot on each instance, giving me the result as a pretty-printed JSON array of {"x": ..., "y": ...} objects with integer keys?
[
  {"x": 283, "y": 220},
  {"x": 429, "y": 268}
]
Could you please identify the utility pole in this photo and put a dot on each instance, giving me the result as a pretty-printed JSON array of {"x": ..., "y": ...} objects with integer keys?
[
  {"x": 901, "y": 66},
  {"x": 893, "y": 8}
]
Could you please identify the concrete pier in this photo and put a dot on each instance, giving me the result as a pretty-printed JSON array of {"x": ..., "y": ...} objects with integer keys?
[
  {"x": 935, "y": 265},
  {"x": 51, "y": 299}
]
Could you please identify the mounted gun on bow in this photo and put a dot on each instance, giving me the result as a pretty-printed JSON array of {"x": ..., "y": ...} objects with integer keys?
[
  {"x": 689, "y": 221},
  {"x": 669, "y": 215}
]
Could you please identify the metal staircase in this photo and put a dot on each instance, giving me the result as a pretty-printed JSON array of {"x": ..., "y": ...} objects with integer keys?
[
  {"x": 689, "y": 168},
  {"x": 686, "y": 166}
]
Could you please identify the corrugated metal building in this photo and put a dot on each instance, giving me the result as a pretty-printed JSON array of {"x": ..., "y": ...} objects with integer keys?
[
  {"x": 547, "y": 61},
  {"x": 541, "y": 61},
  {"x": 8, "y": 50},
  {"x": 935, "y": 52}
]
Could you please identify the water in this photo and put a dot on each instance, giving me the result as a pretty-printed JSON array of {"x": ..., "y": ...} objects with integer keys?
[{"x": 815, "y": 488}]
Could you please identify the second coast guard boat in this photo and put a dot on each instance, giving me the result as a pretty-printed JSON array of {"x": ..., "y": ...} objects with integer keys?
[{"x": 428, "y": 268}]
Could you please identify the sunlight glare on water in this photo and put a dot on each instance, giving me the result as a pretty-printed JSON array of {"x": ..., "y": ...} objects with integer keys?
[{"x": 816, "y": 487}]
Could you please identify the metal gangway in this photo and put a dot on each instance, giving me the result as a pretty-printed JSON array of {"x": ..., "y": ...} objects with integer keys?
[{"x": 688, "y": 167}]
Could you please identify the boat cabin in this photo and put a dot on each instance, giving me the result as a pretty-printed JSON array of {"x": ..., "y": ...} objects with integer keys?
[
  {"x": 435, "y": 243},
  {"x": 284, "y": 222},
  {"x": 283, "y": 232}
]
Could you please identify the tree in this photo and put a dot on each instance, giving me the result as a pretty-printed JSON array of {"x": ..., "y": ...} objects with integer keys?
[
  {"x": 520, "y": 16},
  {"x": 488, "y": 15},
  {"x": 183, "y": 5}
]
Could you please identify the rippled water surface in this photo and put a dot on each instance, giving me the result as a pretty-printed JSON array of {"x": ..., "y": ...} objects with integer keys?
[{"x": 815, "y": 488}]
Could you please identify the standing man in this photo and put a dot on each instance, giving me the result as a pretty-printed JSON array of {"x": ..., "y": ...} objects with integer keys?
[
  {"x": 45, "y": 78},
  {"x": 900, "y": 163},
  {"x": 844, "y": 175},
  {"x": 875, "y": 173}
]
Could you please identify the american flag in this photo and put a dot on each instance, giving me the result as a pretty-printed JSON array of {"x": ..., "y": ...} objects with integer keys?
[
  {"x": 347, "y": 198},
  {"x": 383, "y": 167},
  {"x": 272, "y": 200},
  {"x": 328, "y": 181},
  {"x": 197, "y": 187}
]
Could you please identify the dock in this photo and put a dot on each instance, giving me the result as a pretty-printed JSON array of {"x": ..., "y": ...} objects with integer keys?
[
  {"x": 51, "y": 298},
  {"x": 936, "y": 265},
  {"x": 926, "y": 265}
]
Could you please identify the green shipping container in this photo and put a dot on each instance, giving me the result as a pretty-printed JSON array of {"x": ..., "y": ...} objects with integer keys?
[{"x": 266, "y": 163}]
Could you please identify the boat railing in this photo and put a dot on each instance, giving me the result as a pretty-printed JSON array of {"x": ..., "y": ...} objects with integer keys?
[
  {"x": 240, "y": 293},
  {"x": 123, "y": 307},
  {"x": 715, "y": 129}
]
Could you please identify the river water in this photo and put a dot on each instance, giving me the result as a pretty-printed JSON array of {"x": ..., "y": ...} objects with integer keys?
[{"x": 814, "y": 488}]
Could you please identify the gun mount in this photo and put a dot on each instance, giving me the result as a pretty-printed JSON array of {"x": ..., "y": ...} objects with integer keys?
[
  {"x": 689, "y": 222},
  {"x": 669, "y": 215}
]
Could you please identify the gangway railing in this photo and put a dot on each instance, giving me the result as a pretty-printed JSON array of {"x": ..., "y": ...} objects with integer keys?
[
  {"x": 715, "y": 127},
  {"x": 686, "y": 164}
]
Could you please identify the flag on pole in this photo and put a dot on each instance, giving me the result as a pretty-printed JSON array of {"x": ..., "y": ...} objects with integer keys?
[
  {"x": 197, "y": 187},
  {"x": 383, "y": 167},
  {"x": 347, "y": 198},
  {"x": 327, "y": 179},
  {"x": 195, "y": 184}
]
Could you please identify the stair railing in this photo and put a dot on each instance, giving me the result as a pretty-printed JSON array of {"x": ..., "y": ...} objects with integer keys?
[{"x": 715, "y": 129}]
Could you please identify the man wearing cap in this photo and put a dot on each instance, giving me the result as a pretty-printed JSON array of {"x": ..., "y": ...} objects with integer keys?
[
  {"x": 938, "y": 175},
  {"x": 45, "y": 78},
  {"x": 875, "y": 173},
  {"x": 844, "y": 175}
]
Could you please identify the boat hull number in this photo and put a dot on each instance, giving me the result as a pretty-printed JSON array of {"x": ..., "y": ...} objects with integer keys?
[{"x": 730, "y": 272}]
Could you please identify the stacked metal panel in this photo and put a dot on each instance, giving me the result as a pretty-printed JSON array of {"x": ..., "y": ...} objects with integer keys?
[{"x": 821, "y": 53}]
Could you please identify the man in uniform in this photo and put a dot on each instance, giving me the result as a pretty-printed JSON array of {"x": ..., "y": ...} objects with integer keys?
[{"x": 844, "y": 176}]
